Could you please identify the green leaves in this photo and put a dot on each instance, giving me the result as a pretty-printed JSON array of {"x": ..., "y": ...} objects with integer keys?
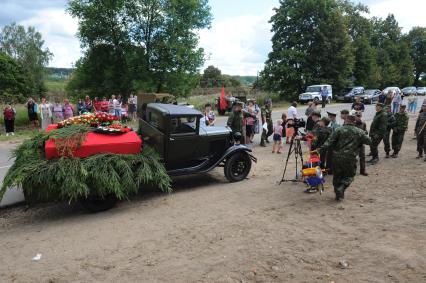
[{"x": 133, "y": 45}]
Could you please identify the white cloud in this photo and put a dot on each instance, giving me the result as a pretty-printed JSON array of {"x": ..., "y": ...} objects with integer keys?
[
  {"x": 58, "y": 29},
  {"x": 408, "y": 13},
  {"x": 238, "y": 45}
]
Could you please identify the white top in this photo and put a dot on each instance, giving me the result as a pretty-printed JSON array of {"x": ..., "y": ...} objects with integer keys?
[
  {"x": 116, "y": 103},
  {"x": 292, "y": 113}
]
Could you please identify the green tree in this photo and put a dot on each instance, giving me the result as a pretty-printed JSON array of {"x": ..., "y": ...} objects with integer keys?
[
  {"x": 365, "y": 70},
  {"x": 416, "y": 39},
  {"x": 14, "y": 79},
  {"x": 27, "y": 47},
  {"x": 310, "y": 45},
  {"x": 153, "y": 44},
  {"x": 212, "y": 77}
]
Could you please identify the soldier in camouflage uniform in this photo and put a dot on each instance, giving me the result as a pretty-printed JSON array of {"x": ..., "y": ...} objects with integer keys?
[
  {"x": 378, "y": 130},
  {"x": 266, "y": 114},
  {"x": 421, "y": 132},
  {"x": 345, "y": 143},
  {"x": 235, "y": 120},
  {"x": 391, "y": 125},
  {"x": 398, "y": 132},
  {"x": 363, "y": 126}
]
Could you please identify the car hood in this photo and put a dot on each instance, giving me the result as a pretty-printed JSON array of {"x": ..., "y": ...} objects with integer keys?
[{"x": 214, "y": 131}]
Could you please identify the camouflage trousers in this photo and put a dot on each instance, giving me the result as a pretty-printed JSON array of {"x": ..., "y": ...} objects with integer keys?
[
  {"x": 421, "y": 142},
  {"x": 268, "y": 133},
  {"x": 344, "y": 171},
  {"x": 397, "y": 140},
  {"x": 374, "y": 147},
  {"x": 386, "y": 141},
  {"x": 362, "y": 159}
]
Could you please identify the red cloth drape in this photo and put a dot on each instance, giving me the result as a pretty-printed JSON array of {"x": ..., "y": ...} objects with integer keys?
[{"x": 128, "y": 143}]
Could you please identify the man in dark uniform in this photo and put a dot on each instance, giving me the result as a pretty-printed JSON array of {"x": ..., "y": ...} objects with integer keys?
[
  {"x": 398, "y": 132},
  {"x": 363, "y": 126},
  {"x": 345, "y": 143},
  {"x": 420, "y": 131},
  {"x": 266, "y": 114},
  {"x": 235, "y": 120},
  {"x": 378, "y": 130},
  {"x": 333, "y": 126}
]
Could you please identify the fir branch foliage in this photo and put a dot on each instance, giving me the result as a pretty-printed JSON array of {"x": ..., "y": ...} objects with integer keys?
[{"x": 69, "y": 178}]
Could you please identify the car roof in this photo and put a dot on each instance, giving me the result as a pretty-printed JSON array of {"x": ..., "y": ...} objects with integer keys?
[{"x": 174, "y": 110}]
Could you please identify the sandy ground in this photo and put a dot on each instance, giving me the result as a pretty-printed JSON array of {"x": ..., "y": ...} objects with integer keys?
[{"x": 211, "y": 231}]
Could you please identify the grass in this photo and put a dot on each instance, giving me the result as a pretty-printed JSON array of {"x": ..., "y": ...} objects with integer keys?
[{"x": 56, "y": 85}]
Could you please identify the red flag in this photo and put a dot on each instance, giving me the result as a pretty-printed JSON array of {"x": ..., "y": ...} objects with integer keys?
[{"x": 223, "y": 104}]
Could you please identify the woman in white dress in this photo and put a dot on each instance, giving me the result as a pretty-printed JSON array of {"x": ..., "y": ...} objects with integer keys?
[{"x": 45, "y": 114}]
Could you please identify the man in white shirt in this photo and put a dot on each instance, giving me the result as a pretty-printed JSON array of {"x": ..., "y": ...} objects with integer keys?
[{"x": 292, "y": 111}]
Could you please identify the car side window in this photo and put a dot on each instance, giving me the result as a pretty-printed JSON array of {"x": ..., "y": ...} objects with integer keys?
[
  {"x": 183, "y": 125},
  {"x": 155, "y": 120}
]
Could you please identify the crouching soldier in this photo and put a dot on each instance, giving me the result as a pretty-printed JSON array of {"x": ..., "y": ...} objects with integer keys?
[
  {"x": 398, "y": 132},
  {"x": 345, "y": 143}
]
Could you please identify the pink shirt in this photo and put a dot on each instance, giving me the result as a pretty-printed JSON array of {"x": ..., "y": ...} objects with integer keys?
[{"x": 278, "y": 130}]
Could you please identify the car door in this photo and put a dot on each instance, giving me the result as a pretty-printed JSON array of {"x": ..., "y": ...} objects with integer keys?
[{"x": 183, "y": 142}]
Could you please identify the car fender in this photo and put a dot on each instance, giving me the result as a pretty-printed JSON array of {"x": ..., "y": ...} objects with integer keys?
[{"x": 234, "y": 149}]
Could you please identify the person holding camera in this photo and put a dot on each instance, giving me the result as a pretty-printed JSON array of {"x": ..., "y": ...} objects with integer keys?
[{"x": 345, "y": 143}]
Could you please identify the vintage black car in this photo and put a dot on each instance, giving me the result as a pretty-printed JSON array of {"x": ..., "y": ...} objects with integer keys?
[{"x": 187, "y": 146}]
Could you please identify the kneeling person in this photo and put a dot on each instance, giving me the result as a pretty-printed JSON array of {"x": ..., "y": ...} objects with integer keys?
[{"x": 345, "y": 143}]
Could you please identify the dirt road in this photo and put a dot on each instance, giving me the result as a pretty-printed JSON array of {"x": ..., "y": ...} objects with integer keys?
[{"x": 211, "y": 231}]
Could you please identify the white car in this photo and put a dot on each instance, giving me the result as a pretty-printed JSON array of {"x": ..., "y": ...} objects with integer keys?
[
  {"x": 313, "y": 93},
  {"x": 421, "y": 90},
  {"x": 392, "y": 89}
]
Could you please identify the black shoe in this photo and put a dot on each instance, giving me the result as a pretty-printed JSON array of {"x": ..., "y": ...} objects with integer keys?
[
  {"x": 394, "y": 155},
  {"x": 364, "y": 173},
  {"x": 374, "y": 161},
  {"x": 387, "y": 155},
  {"x": 267, "y": 141},
  {"x": 419, "y": 156},
  {"x": 262, "y": 143}
]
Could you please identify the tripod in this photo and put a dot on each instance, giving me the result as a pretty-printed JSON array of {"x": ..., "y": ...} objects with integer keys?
[{"x": 296, "y": 148}]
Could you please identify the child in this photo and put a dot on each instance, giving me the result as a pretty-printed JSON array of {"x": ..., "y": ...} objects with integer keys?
[
  {"x": 289, "y": 131},
  {"x": 124, "y": 113},
  {"x": 278, "y": 133},
  {"x": 9, "y": 120}
]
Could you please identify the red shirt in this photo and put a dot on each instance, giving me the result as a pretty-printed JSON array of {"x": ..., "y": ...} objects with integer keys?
[
  {"x": 9, "y": 114},
  {"x": 97, "y": 105},
  {"x": 104, "y": 105}
]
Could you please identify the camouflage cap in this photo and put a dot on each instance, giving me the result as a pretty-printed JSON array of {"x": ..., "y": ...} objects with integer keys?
[
  {"x": 344, "y": 111},
  {"x": 316, "y": 113}
]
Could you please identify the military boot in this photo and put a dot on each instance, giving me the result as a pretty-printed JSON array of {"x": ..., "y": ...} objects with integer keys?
[
  {"x": 340, "y": 192},
  {"x": 374, "y": 161},
  {"x": 419, "y": 156},
  {"x": 262, "y": 143},
  {"x": 387, "y": 155},
  {"x": 394, "y": 155}
]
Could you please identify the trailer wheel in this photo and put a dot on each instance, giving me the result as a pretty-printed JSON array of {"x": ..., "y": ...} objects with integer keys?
[
  {"x": 237, "y": 167},
  {"x": 96, "y": 204}
]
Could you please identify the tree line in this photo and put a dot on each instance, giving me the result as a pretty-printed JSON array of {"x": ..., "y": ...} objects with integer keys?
[{"x": 336, "y": 42}]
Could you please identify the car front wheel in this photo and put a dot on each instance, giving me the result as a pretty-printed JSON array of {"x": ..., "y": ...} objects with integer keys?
[{"x": 237, "y": 167}]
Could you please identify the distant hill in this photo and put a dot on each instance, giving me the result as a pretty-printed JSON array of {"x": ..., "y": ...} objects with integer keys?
[{"x": 59, "y": 73}]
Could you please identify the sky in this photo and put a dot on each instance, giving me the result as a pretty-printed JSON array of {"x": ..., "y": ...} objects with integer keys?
[{"x": 238, "y": 42}]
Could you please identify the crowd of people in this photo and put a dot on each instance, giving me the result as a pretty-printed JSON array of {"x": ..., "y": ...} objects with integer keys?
[
  {"x": 44, "y": 113},
  {"x": 340, "y": 145}
]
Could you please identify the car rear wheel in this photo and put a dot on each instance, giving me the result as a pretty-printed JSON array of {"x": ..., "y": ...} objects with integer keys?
[
  {"x": 96, "y": 204},
  {"x": 237, "y": 167}
]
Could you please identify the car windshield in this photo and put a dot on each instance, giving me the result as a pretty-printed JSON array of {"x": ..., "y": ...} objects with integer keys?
[
  {"x": 313, "y": 89},
  {"x": 183, "y": 125}
]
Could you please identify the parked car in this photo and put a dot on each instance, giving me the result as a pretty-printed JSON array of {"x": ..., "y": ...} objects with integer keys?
[
  {"x": 392, "y": 89},
  {"x": 313, "y": 93},
  {"x": 410, "y": 90},
  {"x": 348, "y": 94},
  {"x": 421, "y": 91},
  {"x": 187, "y": 147},
  {"x": 369, "y": 96}
]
